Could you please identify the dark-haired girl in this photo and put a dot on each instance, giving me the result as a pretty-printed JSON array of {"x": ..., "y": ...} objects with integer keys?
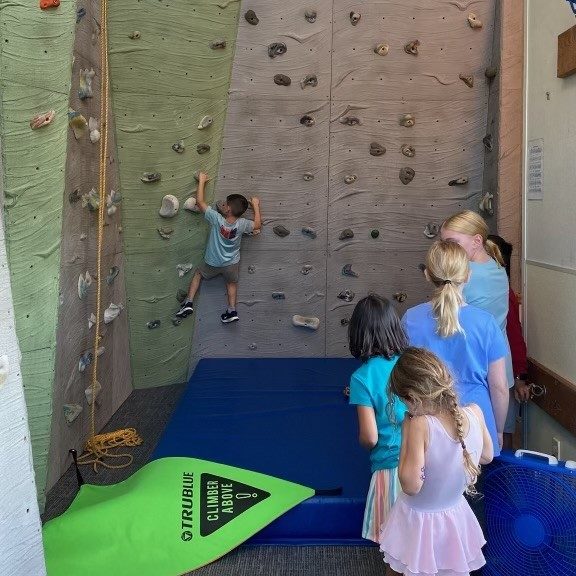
[{"x": 376, "y": 337}]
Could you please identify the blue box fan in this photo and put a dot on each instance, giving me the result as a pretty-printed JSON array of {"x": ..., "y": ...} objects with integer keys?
[{"x": 530, "y": 505}]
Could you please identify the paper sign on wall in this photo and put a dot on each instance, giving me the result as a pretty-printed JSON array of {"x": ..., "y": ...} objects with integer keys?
[{"x": 536, "y": 169}]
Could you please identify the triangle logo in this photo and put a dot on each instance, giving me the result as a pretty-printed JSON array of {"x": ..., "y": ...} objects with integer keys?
[{"x": 222, "y": 500}]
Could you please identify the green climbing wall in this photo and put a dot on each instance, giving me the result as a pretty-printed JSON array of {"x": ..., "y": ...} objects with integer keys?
[
  {"x": 164, "y": 80},
  {"x": 35, "y": 66}
]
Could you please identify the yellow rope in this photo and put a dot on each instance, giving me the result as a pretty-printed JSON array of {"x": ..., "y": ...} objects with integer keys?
[{"x": 98, "y": 446}]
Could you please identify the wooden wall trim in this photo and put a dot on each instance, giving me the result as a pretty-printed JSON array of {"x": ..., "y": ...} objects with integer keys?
[{"x": 559, "y": 401}]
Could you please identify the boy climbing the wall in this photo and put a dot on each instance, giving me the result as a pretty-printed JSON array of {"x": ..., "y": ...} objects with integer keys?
[{"x": 222, "y": 256}]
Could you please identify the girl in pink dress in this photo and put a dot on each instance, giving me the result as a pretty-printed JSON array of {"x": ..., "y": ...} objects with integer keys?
[{"x": 431, "y": 529}]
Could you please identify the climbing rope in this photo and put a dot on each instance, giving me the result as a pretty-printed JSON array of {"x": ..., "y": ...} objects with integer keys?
[{"x": 98, "y": 446}]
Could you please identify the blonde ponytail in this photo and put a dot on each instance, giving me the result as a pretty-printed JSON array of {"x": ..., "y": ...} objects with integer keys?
[
  {"x": 494, "y": 252},
  {"x": 447, "y": 268}
]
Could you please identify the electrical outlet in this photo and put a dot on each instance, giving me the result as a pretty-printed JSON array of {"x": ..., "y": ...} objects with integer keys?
[{"x": 556, "y": 447}]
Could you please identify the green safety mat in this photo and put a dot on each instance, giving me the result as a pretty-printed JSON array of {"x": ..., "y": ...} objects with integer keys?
[{"x": 170, "y": 517}]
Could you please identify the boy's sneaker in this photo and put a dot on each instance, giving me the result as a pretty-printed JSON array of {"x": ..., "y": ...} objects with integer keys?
[
  {"x": 228, "y": 317},
  {"x": 185, "y": 310}
]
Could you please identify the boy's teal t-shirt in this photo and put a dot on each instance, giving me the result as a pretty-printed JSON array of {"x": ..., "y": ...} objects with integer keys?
[{"x": 368, "y": 387}]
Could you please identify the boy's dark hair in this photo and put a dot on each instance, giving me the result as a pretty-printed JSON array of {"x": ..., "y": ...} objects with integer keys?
[
  {"x": 505, "y": 250},
  {"x": 375, "y": 329},
  {"x": 238, "y": 204}
]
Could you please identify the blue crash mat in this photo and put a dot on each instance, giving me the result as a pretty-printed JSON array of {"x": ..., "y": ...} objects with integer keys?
[{"x": 284, "y": 417}]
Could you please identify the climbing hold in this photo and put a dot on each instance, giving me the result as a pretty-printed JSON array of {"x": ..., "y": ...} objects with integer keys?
[
  {"x": 431, "y": 230},
  {"x": 77, "y": 122},
  {"x": 112, "y": 200},
  {"x": 170, "y": 206},
  {"x": 71, "y": 412},
  {"x": 91, "y": 200},
  {"x": 487, "y": 141},
  {"x": 206, "y": 122},
  {"x": 85, "y": 361},
  {"x": 408, "y": 150},
  {"x": 83, "y": 236},
  {"x": 86, "y": 77},
  {"x": 183, "y": 269},
  {"x": 92, "y": 392},
  {"x": 344, "y": 321},
  {"x": 281, "y": 231},
  {"x": 203, "y": 148},
  {"x": 148, "y": 177},
  {"x": 308, "y": 176},
  {"x": 93, "y": 127},
  {"x": 306, "y": 269},
  {"x": 179, "y": 147},
  {"x": 45, "y": 4},
  {"x": 278, "y": 296},
  {"x": 190, "y": 205},
  {"x": 306, "y": 321},
  {"x": 309, "y": 80},
  {"x": 355, "y": 18},
  {"x": 4, "y": 369},
  {"x": 252, "y": 346},
  {"x": 251, "y": 17},
  {"x": 346, "y": 295},
  {"x": 458, "y": 181},
  {"x": 74, "y": 196},
  {"x": 251, "y": 269},
  {"x": 346, "y": 234},
  {"x": 412, "y": 47},
  {"x": 382, "y": 49},
  {"x": 41, "y": 120},
  {"x": 486, "y": 204},
  {"x": 408, "y": 120},
  {"x": 134, "y": 35},
  {"x": 310, "y": 232},
  {"x": 375, "y": 233},
  {"x": 176, "y": 321},
  {"x": 277, "y": 49},
  {"x": 400, "y": 296},
  {"x": 114, "y": 271},
  {"x": 350, "y": 178},
  {"x": 165, "y": 233},
  {"x": 153, "y": 324},
  {"x": 282, "y": 80},
  {"x": 112, "y": 312},
  {"x": 347, "y": 271},
  {"x": 491, "y": 73},
  {"x": 350, "y": 121},
  {"x": 307, "y": 121},
  {"x": 310, "y": 16},
  {"x": 407, "y": 175},
  {"x": 468, "y": 80},
  {"x": 84, "y": 282},
  {"x": 422, "y": 267},
  {"x": 80, "y": 13},
  {"x": 377, "y": 149},
  {"x": 218, "y": 44},
  {"x": 474, "y": 21}
]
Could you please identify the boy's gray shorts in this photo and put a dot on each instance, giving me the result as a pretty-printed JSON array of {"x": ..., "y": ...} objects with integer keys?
[{"x": 230, "y": 273}]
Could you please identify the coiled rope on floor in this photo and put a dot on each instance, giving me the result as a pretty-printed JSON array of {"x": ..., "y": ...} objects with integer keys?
[{"x": 98, "y": 446}]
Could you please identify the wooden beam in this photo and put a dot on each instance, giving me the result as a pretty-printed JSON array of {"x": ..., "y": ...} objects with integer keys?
[
  {"x": 559, "y": 401},
  {"x": 567, "y": 53}
]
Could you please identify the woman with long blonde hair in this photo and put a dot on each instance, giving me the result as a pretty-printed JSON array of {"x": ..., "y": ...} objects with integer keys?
[
  {"x": 431, "y": 528},
  {"x": 466, "y": 338}
]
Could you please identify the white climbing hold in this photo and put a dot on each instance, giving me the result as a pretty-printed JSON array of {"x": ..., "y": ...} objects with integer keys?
[
  {"x": 93, "y": 126},
  {"x": 170, "y": 206},
  {"x": 190, "y": 205},
  {"x": 112, "y": 200},
  {"x": 92, "y": 394},
  {"x": 206, "y": 122},
  {"x": 86, "y": 77},
  {"x": 4, "y": 369},
  {"x": 84, "y": 282},
  {"x": 83, "y": 236},
  {"x": 486, "y": 203},
  {"x": 309, "y": 322},
  {"x": 91, "y": 320},
  {"x": 112, "y": 312},
  {"x": 71, "y": 412},
  {"x": 183, "y": 269}
]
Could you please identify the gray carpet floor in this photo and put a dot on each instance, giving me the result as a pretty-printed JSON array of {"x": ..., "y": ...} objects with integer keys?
[{"x": 148, "y": 411}]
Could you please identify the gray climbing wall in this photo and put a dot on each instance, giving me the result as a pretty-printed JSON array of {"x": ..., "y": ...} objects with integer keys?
[
  {"x": 79, "y": 238},
  {"x": 267, "y": 151}
]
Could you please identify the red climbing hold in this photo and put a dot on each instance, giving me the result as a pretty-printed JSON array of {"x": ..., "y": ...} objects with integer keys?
[{"x": 46, "y": 4}]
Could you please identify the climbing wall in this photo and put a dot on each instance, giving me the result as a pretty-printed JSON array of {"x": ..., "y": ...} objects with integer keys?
[
  {"x": 370, "y": 137},
  {"x": 170, "y": 67},
  {"x": 71, "y": 412}
]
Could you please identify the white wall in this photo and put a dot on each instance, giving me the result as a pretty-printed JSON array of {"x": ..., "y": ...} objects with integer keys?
[{"x": 550, "y": 224}]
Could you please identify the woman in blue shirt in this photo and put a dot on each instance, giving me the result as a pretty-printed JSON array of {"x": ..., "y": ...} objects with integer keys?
[{"x": 466, "y": 338}]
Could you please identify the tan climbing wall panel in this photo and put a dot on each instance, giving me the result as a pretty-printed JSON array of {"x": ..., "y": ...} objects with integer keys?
[
  {"x": 266, "y": 152},
  {"x": 163, "y": 84},
  {"x": 78, "y": 255}
]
